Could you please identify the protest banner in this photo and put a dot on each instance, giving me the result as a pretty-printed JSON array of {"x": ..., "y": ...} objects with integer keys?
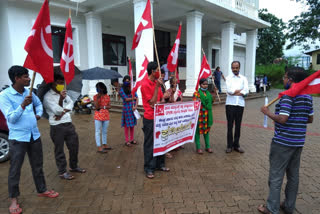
[{"x": 174, "y": 125}]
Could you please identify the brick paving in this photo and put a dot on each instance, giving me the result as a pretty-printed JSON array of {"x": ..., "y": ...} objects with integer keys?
[{"x": 211, "y": 183}]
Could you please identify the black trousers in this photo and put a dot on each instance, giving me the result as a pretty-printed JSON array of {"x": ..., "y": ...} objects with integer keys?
[
  {"x": 17, "y": 153},
  {"x": 234, "y": 115},
  {"x": 59, "y": 134},
  {"x": 150, "y": 163}
]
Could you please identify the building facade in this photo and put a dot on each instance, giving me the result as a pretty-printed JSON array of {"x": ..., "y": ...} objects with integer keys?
[{"x": 226, "y": 30}]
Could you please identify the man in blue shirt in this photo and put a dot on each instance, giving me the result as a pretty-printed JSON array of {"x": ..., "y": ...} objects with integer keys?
[
  {"x": 18, "y": 108},
  {"x": 217, "y": 74},
  {"x": 291, "y": 117}
]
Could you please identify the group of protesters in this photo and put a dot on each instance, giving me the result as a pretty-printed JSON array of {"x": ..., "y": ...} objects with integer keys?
[{"x": 22, "y": 109}]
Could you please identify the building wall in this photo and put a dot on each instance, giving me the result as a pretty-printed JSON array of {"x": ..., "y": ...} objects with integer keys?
[
  {"x": 5, "y": 44},
  {"x": 315, "y": 66}
]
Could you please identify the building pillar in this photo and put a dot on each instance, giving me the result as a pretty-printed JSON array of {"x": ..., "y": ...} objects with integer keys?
[
  {"x": 251, "y": 46},
  {"x": 227, "y": 36},
  {"x": 95, "y": 54},
  {"x": 194, "y": 34}
]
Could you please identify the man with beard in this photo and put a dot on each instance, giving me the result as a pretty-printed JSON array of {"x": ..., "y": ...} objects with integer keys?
[{"x": 291, "y": 117}]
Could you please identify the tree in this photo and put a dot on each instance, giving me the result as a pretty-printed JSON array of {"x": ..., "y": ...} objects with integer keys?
[
  {"x": 271, "y": 40},
  {"x": 304, "y": 30}
]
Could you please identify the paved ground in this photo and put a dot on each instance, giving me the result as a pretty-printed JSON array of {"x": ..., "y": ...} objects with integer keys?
[{"x": 211, "y": 183}]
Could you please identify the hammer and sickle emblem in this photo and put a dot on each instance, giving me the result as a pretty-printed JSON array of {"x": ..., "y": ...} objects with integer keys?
[
  {"x": 175, "y": 53},
  {"x": 66, "y": 57},
  {"x": 43, "y": 41}
]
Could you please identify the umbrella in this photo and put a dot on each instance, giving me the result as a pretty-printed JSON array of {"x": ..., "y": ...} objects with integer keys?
[{"x": 98, "y": 73}]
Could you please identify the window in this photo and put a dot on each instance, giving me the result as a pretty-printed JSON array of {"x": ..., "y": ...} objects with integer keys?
[
  {"x": 182, "y": 56},
  {"x": 114, "y": 49},
  {"x": 57, "y": 42},
  {"x": 318, "y": 59}
]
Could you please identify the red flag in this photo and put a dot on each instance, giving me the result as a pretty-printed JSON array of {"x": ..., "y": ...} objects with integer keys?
[
  {"x": 130, "y": 74},
  {"x": 310, "y": 85},
  {"x": 39, "y": 45},
  {"x": 172, "y": 61},
  {"x": 67, "y": 59},
  {"x": 205, "y": 70},
  {"x": 145, "y": 23},
  {"x": 142, "y": 75}
]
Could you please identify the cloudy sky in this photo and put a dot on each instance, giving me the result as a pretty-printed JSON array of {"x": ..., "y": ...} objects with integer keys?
[{"x": 286, "y": 10}]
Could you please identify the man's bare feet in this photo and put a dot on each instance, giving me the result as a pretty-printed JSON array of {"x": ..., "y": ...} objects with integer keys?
[{"x": 14, "y": 207}]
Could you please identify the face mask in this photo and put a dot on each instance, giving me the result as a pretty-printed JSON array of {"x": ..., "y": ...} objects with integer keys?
[
  {"x": 59, "y": 87},
  {"x": 287, "y": 86},
  {"x": 203, "y": 89},
  {"x": 126, "y": 83},
  {"x": 157, "y": 75}
]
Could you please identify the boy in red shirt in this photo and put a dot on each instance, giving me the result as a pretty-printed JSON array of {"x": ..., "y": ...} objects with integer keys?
[{"x": 151, "y": 95}]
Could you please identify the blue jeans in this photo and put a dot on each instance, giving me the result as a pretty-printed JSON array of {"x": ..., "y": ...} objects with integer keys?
[
  {"x": 283, "y": 160},
  {"x": 101, "y": 128}
]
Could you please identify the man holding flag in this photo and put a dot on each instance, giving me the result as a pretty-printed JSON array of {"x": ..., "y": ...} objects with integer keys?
[{"x": 291, "y": 116}]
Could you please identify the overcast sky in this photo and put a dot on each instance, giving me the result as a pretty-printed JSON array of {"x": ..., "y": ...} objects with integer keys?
[{"x": 286, "y": 10}]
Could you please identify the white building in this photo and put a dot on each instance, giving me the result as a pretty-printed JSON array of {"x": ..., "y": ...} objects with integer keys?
[{"x": 103, "y": 32}]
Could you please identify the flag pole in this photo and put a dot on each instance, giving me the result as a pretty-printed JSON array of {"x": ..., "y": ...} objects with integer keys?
[
  {"x": 212, "y": 81},
  {"x": 175, "y": 71},
  {"x": 273, "y": 101},
  {"x": 32, "y": 83}
]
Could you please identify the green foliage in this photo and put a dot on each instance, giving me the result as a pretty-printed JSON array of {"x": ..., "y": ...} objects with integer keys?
[
  {"x": 271, "y": 40},
  {"x": 274, "y": 72},
  {"x": 304, "y": 29}
]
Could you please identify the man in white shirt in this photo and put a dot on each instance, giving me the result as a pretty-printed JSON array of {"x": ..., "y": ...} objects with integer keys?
[
  {"x": 237, "y": 88},
  {"x": 59, "y": 106}
]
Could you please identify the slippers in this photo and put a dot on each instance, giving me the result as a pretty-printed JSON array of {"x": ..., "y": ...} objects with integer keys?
[
  {"x": 107, "y": 148},
  {"x": 209, "y": 150},
  {"x": 134, "y": 142},
  {"x": 16, "y": 210},
  {"x": 102, "y": 151},
  {"x": 66, "y": 176},
  {"x": 263, "y": 209},
  {"x": 128, "y": 144},
  {"x": 49, "y": 194},
  {"x": 150, "y": 175},
  {"x": 78, "y": 170},
  {"x": 164, "y": 169}
]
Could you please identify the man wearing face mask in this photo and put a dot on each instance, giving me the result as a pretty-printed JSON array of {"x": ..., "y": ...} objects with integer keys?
[
  {"x": 58, "y": 106},
  {"x": 292, "y": 114},
  {"x": 151, "y": 95},
  {"x": 237, "y": 88}
]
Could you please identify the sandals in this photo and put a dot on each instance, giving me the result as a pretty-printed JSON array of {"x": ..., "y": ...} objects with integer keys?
[
  {"x": 209, "y": 150},
  {"x": 199, "y": 151},
  {"x": 66, "y": 176},
  {"x": 134, "y": 142},
  {"x": 49, "y": 194},
  {"x": 107, "y": 148},
  {"x": 263, "y": 209},
  {"x": 78, "y": 170},
  {"x": 150, "y": 175},
  {"x": 102, "y": 151},
  {"x": 164, "y": 169},
  {"x": 16, "y": 210},
  {"x": 128, "y": 144}
]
